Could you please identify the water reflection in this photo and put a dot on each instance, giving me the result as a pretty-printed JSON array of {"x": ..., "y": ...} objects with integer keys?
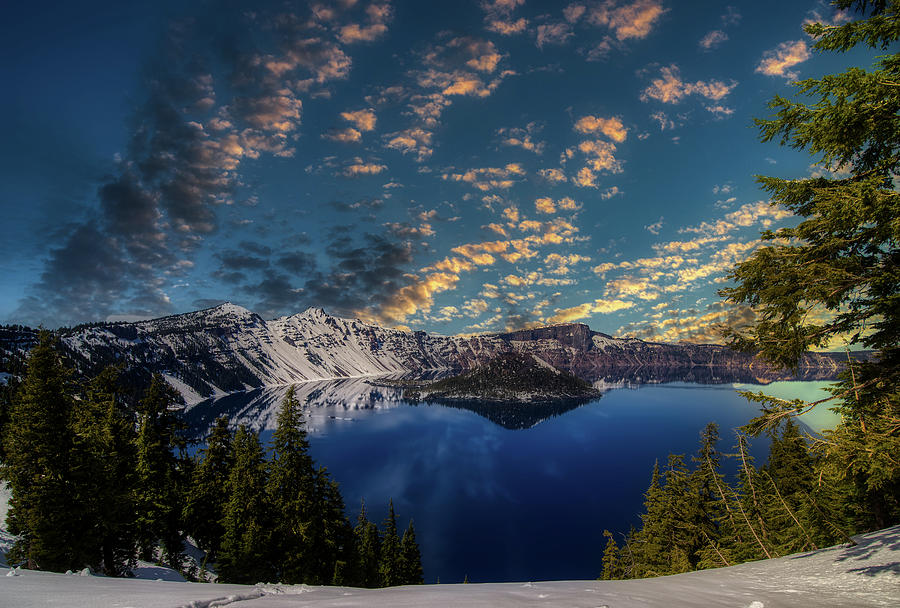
[{"x": 335, "y": 402}]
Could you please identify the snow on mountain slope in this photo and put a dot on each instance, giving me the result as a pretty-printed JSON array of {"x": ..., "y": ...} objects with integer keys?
[
  {"x": 228, "y": 348},
  {"x": 862, "y": 576}
]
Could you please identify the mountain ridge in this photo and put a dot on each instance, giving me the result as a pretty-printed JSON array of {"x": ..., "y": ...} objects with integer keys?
[{"x": 229, "y": 348}]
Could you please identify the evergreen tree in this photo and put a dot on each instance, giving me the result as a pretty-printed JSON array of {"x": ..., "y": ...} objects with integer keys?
[
  {"x": 247, "y": 545},
  {"x": 389, "y": 559},
  {"x": 38, "y": 445},
  {"x": 842, "y": 258},
  {"x": 612, "y": 567},
  {"x": 291, "y": 489},
  {"x": 103, "y": 474},
  {"x": 410, "y": 558},
  {"x": 650, "y": 542},
  {"x": 368, "y": 549},
  {"x": 158, "y": 484},
  {"x": 206, "y": 497},
  {"x": 337, "y": 548}
]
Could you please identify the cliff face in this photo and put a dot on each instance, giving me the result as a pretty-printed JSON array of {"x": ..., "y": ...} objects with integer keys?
[{"x": 229, "y": 348}]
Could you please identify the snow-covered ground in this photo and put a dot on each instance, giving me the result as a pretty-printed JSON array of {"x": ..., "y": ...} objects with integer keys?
[{"x": 867, "y": 574}]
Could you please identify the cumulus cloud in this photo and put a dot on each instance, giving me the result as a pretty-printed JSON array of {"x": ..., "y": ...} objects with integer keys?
[
  {"x": 588, "y": 309},
  {"x": 498, "y": 16},
  {"x": 670, "y": 88},
  {"x": 625, "y": 20},
  {"x": 357, "y": 167},
  {"x": 780, "y": 60},
  {"x": 611, "y": 127},
  {"x": 488, "y": 178},
  {"x": 554, "y": 176},
  {"x": 522, "y": 137},
  {"x": 414, "y": 140},
  {"x": 348, "y": 135},
  {"x": 378, "y": 15},
  {"x": 713, "y": 39},
  {"x": 690, "y": 325},
  {"x": 363, "y": 120},
  {"x": 552, "y": 33}
]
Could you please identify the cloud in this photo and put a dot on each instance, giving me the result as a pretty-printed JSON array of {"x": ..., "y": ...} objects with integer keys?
[
  {"x": 488, "y": 178},
  {"x": 552, "y": 33},
  {"x": 588, "y": 309},
  {"x": 498, "y": 16},
  {"x": 698, "y": 327},
  {"x": 508, "y": 27},
  {"x": 610, "y": 192},
  {"x": 363, "y": 120},
  {"x": 554, "y": 176},
  {"x": 358, "y": 167},
  {"x": 611, "y": 127},
  {"x": 713, "y": 39},
  {"x": 348, "y": 135},
  {"x": 780, "y": 60},
  {"x": 378, "y": 16},
  {"x": 522, "y": 138},
  {"x": 414, "y": 140},
  {"x": 749, "y": 214},
  {"x": 670, "y": 88},
  {"x": 655, "y": 227},
  {"x": 628, "y": 20}
]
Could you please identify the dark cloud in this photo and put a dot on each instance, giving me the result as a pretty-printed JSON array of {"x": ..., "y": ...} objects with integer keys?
[
  {"x": 257, "y": 248},
  {"x": 276, "y": 295},
  {"x": 298, "y": 262},
  {"x": 103, "y": 274},
  {"x": 235, "y": 260}
]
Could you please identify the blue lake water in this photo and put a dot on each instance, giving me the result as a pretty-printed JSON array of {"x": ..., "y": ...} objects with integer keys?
[{"x": 498, "y": 504}]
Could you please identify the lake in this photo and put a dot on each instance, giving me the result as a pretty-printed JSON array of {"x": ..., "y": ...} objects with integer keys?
[{"x": 523, "y": 501}]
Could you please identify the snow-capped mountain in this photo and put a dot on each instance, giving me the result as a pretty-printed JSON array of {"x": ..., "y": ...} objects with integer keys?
[{"x": 229, "y": 348}]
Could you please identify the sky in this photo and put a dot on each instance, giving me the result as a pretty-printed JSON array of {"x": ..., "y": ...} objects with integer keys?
[{"x": 458, "y": 166}]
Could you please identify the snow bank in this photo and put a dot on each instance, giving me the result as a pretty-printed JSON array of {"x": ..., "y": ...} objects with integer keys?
[{"x": 867, "y": 574}]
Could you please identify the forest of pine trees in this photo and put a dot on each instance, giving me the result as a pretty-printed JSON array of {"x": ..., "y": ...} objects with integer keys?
[{"x": 99, "y": 482}]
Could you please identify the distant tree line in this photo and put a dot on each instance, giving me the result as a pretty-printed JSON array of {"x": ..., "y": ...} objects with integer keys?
[{"x": 98, "y": 481}]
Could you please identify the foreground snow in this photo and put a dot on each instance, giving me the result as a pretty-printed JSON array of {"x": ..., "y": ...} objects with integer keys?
[{"x": 867, "y": 574}]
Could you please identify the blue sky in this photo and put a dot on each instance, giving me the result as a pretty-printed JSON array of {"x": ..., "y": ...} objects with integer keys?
[{"x": 456, "y": 167}]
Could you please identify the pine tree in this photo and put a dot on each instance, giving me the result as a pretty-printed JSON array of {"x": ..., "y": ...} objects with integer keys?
[
  {"x": 651, "y": 541},
  {"x": 842, "y": 258},
  {"x": 247, "y": 547},
  {"x": 158, "y": 487},
  {"x": 103, "y": 474},
  {"x": 410, "y": 558},
  {"x": 291, "y": 490},
  {"x": 368, "y": 549},
  {"x": 206, "y": 497},
  {"x": 38, "y": 445},
  {"x": 389, "y": 559},
  {"x": 612, "y": 567}
]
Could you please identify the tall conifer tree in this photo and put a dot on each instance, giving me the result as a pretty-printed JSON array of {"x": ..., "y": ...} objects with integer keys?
[
  {"x": 206, "y": 496},
  {"x": 292, "y": 494},
  {"x": 247, "y": 550},
  {"x": 38, "y": 444}
]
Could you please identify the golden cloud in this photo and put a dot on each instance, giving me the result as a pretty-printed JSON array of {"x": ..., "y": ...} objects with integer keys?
[
  {"x": 348, "y": 135},
  {"x": 631, "y": 20},
  {"x": 364, "y": 120},
  {"x": 780, "y": 60},
  {"x": 670, "y": 88},
  {"x": 611, "y": 127},
  {"x": 582, "y": 311}
]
